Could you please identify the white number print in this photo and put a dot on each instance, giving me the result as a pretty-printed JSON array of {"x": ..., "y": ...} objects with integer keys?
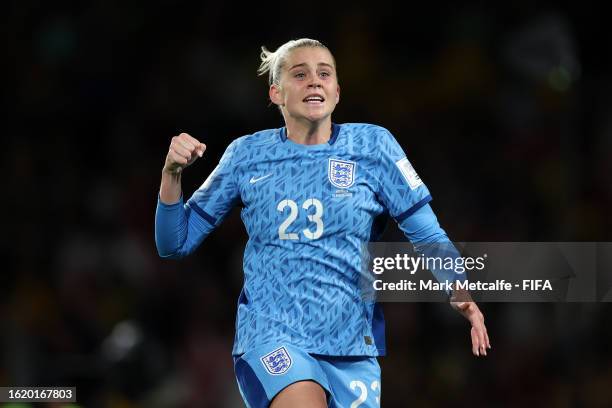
[
  {"x": 363, "y": 392},
  {"x": 376, "y": 386},
  {"x": 293, "y": 214},
  {"x": 316, "y": 218}
]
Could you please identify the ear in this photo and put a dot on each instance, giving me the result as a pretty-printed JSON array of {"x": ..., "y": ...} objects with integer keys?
[
  {"x": 276, "y": 95},
  {"x": 338, "y": 94}
]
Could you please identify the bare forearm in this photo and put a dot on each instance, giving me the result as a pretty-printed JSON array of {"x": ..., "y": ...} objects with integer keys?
[
  {"x": 170, "y": 188},
  {"x": 183, "y": 151}
]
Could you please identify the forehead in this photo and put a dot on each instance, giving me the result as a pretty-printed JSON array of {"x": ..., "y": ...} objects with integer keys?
[{"x": 309, "y": 56}]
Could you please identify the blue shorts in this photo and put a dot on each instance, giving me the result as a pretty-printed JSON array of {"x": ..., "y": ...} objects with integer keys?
[{"x": 264, "y": 372}]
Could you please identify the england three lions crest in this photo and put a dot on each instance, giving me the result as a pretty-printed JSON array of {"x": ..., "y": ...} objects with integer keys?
[
  {"x": 277, "y": 362},
  {"x": 341, "y": 173}
]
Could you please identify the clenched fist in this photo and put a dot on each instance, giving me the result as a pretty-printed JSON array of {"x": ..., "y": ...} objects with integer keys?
[{"x": 184, "y": 150}]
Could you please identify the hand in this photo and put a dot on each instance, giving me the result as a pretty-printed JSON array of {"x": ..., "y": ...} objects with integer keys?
[
  {"x": 469, "y": 309},
  {"x": 184, "y": 150}
]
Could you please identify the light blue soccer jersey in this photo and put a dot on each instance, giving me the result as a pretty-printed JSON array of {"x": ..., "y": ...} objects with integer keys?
[{"x": 307, "y": 210}]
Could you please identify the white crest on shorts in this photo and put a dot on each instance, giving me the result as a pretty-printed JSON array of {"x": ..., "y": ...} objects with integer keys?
[
  {"x": 341, "y": 173},
  {"x": 277, "y": 362}
]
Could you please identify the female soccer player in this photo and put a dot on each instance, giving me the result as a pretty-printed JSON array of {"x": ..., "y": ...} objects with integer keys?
[{"x": 312, "y": 192}]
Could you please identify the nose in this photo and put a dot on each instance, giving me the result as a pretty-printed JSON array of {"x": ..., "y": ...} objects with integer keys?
[{"x": 315, "y": 82}]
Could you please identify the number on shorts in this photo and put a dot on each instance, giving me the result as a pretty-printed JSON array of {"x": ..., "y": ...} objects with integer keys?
[{"x": 363, "y": 392}]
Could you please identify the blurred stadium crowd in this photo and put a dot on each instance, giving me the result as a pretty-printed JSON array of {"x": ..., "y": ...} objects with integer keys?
[{"x": 505, "y": 112}]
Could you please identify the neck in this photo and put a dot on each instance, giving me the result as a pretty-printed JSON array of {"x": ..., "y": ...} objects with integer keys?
[{"x": 309, "y": 133}]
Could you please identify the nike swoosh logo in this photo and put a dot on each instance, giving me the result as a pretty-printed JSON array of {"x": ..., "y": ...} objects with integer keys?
[{"x": 254, "y": 180}]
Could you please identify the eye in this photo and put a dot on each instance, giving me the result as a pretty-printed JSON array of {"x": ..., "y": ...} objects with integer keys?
[
  {"x": 324, "y": 74},
  {"x": 299, "y": 75}
]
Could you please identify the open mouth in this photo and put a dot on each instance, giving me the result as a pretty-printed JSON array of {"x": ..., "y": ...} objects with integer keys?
[{"x": 314, "y": 100}]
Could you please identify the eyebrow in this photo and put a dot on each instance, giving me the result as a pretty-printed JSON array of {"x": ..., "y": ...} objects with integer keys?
[{"x": 319, "y": 64}]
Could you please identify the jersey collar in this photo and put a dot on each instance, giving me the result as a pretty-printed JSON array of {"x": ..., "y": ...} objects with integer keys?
[{"x": 331, "y": 141}]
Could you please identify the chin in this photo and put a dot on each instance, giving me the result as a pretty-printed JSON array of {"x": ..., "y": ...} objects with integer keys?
[{"x": 316, "y": 116}]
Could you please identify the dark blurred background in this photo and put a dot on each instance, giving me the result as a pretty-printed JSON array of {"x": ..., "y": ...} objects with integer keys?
[{"x": 505, "y": 111}]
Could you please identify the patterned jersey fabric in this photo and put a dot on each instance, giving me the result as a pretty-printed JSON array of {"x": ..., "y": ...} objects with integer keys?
[{"x": 308, "y": 209}]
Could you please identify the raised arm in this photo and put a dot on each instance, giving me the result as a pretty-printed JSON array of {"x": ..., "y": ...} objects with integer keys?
[
  {"x": 181, "y": 227},
  {"x": 184, "y": 150}
]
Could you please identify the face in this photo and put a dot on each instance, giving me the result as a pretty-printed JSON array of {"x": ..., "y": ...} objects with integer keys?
[{"x": 308, "y": 85}]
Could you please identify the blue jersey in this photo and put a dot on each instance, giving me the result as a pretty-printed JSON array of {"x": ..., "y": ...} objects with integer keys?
[{"x": 307, "y": 209}]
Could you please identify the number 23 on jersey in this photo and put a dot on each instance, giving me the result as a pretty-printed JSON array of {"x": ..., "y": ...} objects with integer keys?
[{"x": 316, "y": 218}]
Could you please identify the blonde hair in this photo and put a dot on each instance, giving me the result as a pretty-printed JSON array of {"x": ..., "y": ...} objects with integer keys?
[{"x": 273, "y": 62}]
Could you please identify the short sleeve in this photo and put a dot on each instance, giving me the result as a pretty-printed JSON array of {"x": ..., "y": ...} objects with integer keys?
[
  {"x": 401, "y": 190},
  {"x": 219, "y": 193}
]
